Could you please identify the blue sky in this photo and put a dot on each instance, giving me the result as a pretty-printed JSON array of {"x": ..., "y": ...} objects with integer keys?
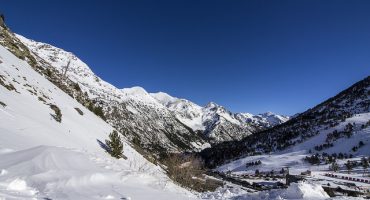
[{"x": 249, "y": 56}]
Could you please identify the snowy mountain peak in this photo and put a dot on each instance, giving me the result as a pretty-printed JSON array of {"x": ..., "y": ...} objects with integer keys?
[
  {"x": 136, "y": 90},
  {"x": 212, "y": 105},
  {"x": 214, "y": 119},
  {"x": 268, "y": 119},
  {"x": 164, "y": 98},
  {"x": 268, "y": 113}
]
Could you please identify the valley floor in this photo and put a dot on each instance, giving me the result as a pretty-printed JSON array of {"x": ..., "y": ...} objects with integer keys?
[{"x": 310, "y": 188}]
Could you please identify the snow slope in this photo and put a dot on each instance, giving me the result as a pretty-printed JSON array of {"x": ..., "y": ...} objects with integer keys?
[
  {"x": 344, "y": 144},
  {"x": 293, "y": 157},
  {"x": 295, "y": 191},
  {"x": 41, "y": 158},
  {"x": 133, "y": 104},
  {"x": 133, "y": 111}
]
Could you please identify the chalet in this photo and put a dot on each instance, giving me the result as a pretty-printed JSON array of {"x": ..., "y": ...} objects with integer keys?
[
  {"x": 342, "y": 191},
  {"x": 293, "y": 178},
  {"x": 306, "y": 173}
]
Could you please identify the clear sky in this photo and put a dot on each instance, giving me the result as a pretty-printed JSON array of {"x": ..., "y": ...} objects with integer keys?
[{"x": 249, "y": 56}]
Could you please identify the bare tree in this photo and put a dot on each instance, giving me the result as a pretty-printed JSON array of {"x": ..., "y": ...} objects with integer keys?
[{"x": 186, "y": 170}]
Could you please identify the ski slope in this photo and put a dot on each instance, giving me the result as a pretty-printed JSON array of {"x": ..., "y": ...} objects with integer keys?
[{"x": 41, "y": 158}]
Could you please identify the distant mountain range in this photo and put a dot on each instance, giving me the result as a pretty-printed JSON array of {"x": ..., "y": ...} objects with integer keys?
[{"x": 216, "y": 122}]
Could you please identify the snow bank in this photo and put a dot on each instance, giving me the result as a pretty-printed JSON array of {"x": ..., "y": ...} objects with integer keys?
[
  {"x": 60, "y": 173},
  {"x": 304, "y": 191},
  {"x": 296, "y": 191}
]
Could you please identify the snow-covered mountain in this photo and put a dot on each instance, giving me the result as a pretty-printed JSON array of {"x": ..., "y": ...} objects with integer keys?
[
  {"x": 264, "y": 120},
  {"x": 50, "y": 146},
  {"x": 336, "y": 125},
  {"x": 132, "y": 111},
  {"x": 215, "y": 121},
  {"x": 155, "y": 122}
]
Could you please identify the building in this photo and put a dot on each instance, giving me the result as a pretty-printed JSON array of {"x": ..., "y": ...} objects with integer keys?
[{"x": 293, "y": 178}]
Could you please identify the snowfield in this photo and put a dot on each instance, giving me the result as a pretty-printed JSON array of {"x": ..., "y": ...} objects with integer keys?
[
  {"x": 60, "y": 173},
  {"x": 296, "y": 191}
]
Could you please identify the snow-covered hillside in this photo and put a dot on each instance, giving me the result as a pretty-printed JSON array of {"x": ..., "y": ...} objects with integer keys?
[
  {"x": 354, "y": 147},
  {"x": 42, "y": 158},
  {"x": 339, "y": 120},
  {"x": 293, "y": 156},
  {"x": 156, "y": 122},
  {"x": 133, "y": 111}
]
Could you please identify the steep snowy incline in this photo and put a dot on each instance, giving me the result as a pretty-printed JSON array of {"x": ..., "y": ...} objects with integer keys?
[
  {"x": 171, "y": 124},
  {"x": 134, "y": 112},
  {"x": 50, "y": 146},
  {"x": 77, "y": 70}
]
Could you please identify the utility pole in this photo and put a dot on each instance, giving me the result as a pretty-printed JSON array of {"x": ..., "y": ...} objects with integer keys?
[{"x": 66, "y": 69}]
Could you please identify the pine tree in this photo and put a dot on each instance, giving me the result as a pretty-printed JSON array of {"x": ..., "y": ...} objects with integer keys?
[
  {"x": 334, "y": 166},
  {"x": 115, "y": 145},
  {"x": 365, "y": 164},
  {"x": 349, "y": 166}
]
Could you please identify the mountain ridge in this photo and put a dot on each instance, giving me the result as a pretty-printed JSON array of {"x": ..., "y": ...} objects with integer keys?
[{"x": 136, "y": 102}]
